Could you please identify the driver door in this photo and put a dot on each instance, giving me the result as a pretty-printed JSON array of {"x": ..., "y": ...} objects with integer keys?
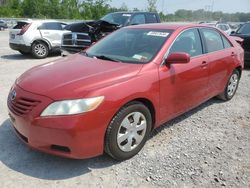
[{"x": 183, "y": 86}]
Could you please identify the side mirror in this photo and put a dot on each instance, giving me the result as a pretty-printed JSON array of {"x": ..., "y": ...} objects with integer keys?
[{"x": 178, "y": 58}]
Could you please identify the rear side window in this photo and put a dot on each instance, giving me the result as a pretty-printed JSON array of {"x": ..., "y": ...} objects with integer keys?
[
  {"x": 20, "y": 25},
  {"x": 226, "y": 43},
  {"x": 213, "y": 40},
  {"x": 151, "y": 18},
  {"x": 189, "y": 42},
  {"x": 51, "y": 26}
]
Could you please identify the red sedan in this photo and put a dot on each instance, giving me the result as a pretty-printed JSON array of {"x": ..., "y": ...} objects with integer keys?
[{"x": 110, "y": 97}]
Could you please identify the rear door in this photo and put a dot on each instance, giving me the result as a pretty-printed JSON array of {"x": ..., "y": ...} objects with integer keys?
[
  {"x": 183, "y": 86},
  {"x": 52, "y": 31},
  {"x": 221, "y": 54}
]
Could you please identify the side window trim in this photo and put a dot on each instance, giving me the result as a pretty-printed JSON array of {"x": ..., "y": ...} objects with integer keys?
[{"x": 202, "y": 41}]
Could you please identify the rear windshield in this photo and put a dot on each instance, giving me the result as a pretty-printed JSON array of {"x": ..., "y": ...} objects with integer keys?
[{"x": 20, "y": 25}]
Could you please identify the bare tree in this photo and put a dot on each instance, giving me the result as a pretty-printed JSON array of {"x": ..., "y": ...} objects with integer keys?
[{"x": 152, "y": 5}]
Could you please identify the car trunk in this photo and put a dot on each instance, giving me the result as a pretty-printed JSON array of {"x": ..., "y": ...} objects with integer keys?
[{"x": 14, "y": 37}]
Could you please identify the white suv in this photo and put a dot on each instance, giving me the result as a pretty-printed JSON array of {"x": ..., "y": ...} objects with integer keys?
[{"x": 36, "y": 37}]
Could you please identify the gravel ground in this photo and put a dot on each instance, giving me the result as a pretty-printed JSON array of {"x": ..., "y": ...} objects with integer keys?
[{"x": 206, "y": 147}]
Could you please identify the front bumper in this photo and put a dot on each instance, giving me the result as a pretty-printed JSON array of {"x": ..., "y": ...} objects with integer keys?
[
  {"x": 75, "y": 136},
  {"x": 65, "y": 51},
  {"x": 20, "y": 47}
]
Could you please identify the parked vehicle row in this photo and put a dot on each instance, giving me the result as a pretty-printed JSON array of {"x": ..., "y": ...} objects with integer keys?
[
  {"x": 3, "y": 25},
  {"x": 83, "y": 34},
  {"x": 38, "y": 37},
  {"x": 112, "y": 95},
  {"x": 222, "y": 26},
  {"x": 41, "y": 37}
]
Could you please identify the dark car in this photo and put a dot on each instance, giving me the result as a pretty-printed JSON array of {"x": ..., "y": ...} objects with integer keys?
[
  {"x": 244, "y": 33},
  {"x": 3, "y": 25},
  {"x": 83, "y": 34}
]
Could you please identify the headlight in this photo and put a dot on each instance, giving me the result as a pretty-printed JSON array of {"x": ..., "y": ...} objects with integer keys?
[{"x": 69, "y": 107}]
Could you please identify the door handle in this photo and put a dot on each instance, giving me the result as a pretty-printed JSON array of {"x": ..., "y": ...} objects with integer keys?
[{"x": 204, "y": 64}]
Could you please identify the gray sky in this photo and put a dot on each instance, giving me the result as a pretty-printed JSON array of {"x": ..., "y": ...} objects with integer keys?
[{"x": 170, "y": 6}]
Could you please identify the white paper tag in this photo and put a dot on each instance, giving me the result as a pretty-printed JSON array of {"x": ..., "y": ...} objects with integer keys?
[
  {"x": 126, "y": 15},
  {"x": 140, "y": 57},
  {"x": 158, "y": 34}
]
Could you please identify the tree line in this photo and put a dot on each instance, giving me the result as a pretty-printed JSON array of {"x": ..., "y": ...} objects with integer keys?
[{"x": 94, "y": 9}]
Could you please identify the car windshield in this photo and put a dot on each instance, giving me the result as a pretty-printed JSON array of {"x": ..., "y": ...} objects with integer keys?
[
  {"x": 130, "y": 45},
  {"x": 116, "y": 18},
  {"x": 244, "y": 29}
]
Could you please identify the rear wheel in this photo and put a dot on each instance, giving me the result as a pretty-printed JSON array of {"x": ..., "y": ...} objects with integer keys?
[
  {"x": 231, "y": 86},
  {"x": 128, "y": 131},
  {"x": 40, "y": 50}
]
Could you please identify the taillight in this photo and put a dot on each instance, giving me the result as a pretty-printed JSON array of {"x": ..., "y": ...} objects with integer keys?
[{"x": 24, "y": 29}]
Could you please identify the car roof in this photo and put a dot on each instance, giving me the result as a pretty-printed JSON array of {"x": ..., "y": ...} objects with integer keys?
[
  {"x": 133, "y": 12},
  {"x": 167, "y": 26},
  {"x": 37, "y": 21}
]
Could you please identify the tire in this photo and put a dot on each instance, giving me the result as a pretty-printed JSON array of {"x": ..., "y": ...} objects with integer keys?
[
  {"x": 39, "y": 50},
  {"x": 24, "y": 53},
  {"x": 128, "y": 131},
  {"x": 231, "y": 87}
]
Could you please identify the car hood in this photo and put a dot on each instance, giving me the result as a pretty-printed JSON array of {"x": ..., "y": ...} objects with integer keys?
[{"x": 75, "y": 76}]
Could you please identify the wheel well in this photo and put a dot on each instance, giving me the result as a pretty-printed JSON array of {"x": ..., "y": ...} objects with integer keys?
[
  {"x": 43, "y": 41},
  {"x": 239, "y": 68},
  {"x": 149, "y": 105}
]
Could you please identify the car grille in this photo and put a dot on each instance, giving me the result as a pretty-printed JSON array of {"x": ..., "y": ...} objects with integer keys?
[
  {"x": 76, "y": 40},
  {"x": 21, "y": 106}
]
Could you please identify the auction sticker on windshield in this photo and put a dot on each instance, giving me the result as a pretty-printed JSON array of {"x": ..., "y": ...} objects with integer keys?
[
  {"x": 158, "y": 34},
  {"x": 126, "y": 15}
]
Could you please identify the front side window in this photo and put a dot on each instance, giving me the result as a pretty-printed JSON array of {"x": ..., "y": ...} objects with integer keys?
[
  {"x": 213, "y": 40},
  {"x": 116, "y": 18},
  {"x": 51, "y": 26},
  {"x": 138, "y": 19},
  {"x": 130, "y": 45},
  {"x": 189, "y": 42}
]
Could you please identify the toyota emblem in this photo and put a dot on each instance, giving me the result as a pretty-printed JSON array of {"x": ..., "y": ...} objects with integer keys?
[{"x": 13, "y": 95}]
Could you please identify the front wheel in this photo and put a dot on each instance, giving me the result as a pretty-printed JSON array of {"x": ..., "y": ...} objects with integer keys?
[
  {"x": 128, "y": 131},
  {"x": 40, "y": 50},
  {"x": 231, "y": 86}
]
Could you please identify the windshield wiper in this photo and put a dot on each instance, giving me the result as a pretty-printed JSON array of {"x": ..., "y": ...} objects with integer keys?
[{"x": 106, "y": 58}]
